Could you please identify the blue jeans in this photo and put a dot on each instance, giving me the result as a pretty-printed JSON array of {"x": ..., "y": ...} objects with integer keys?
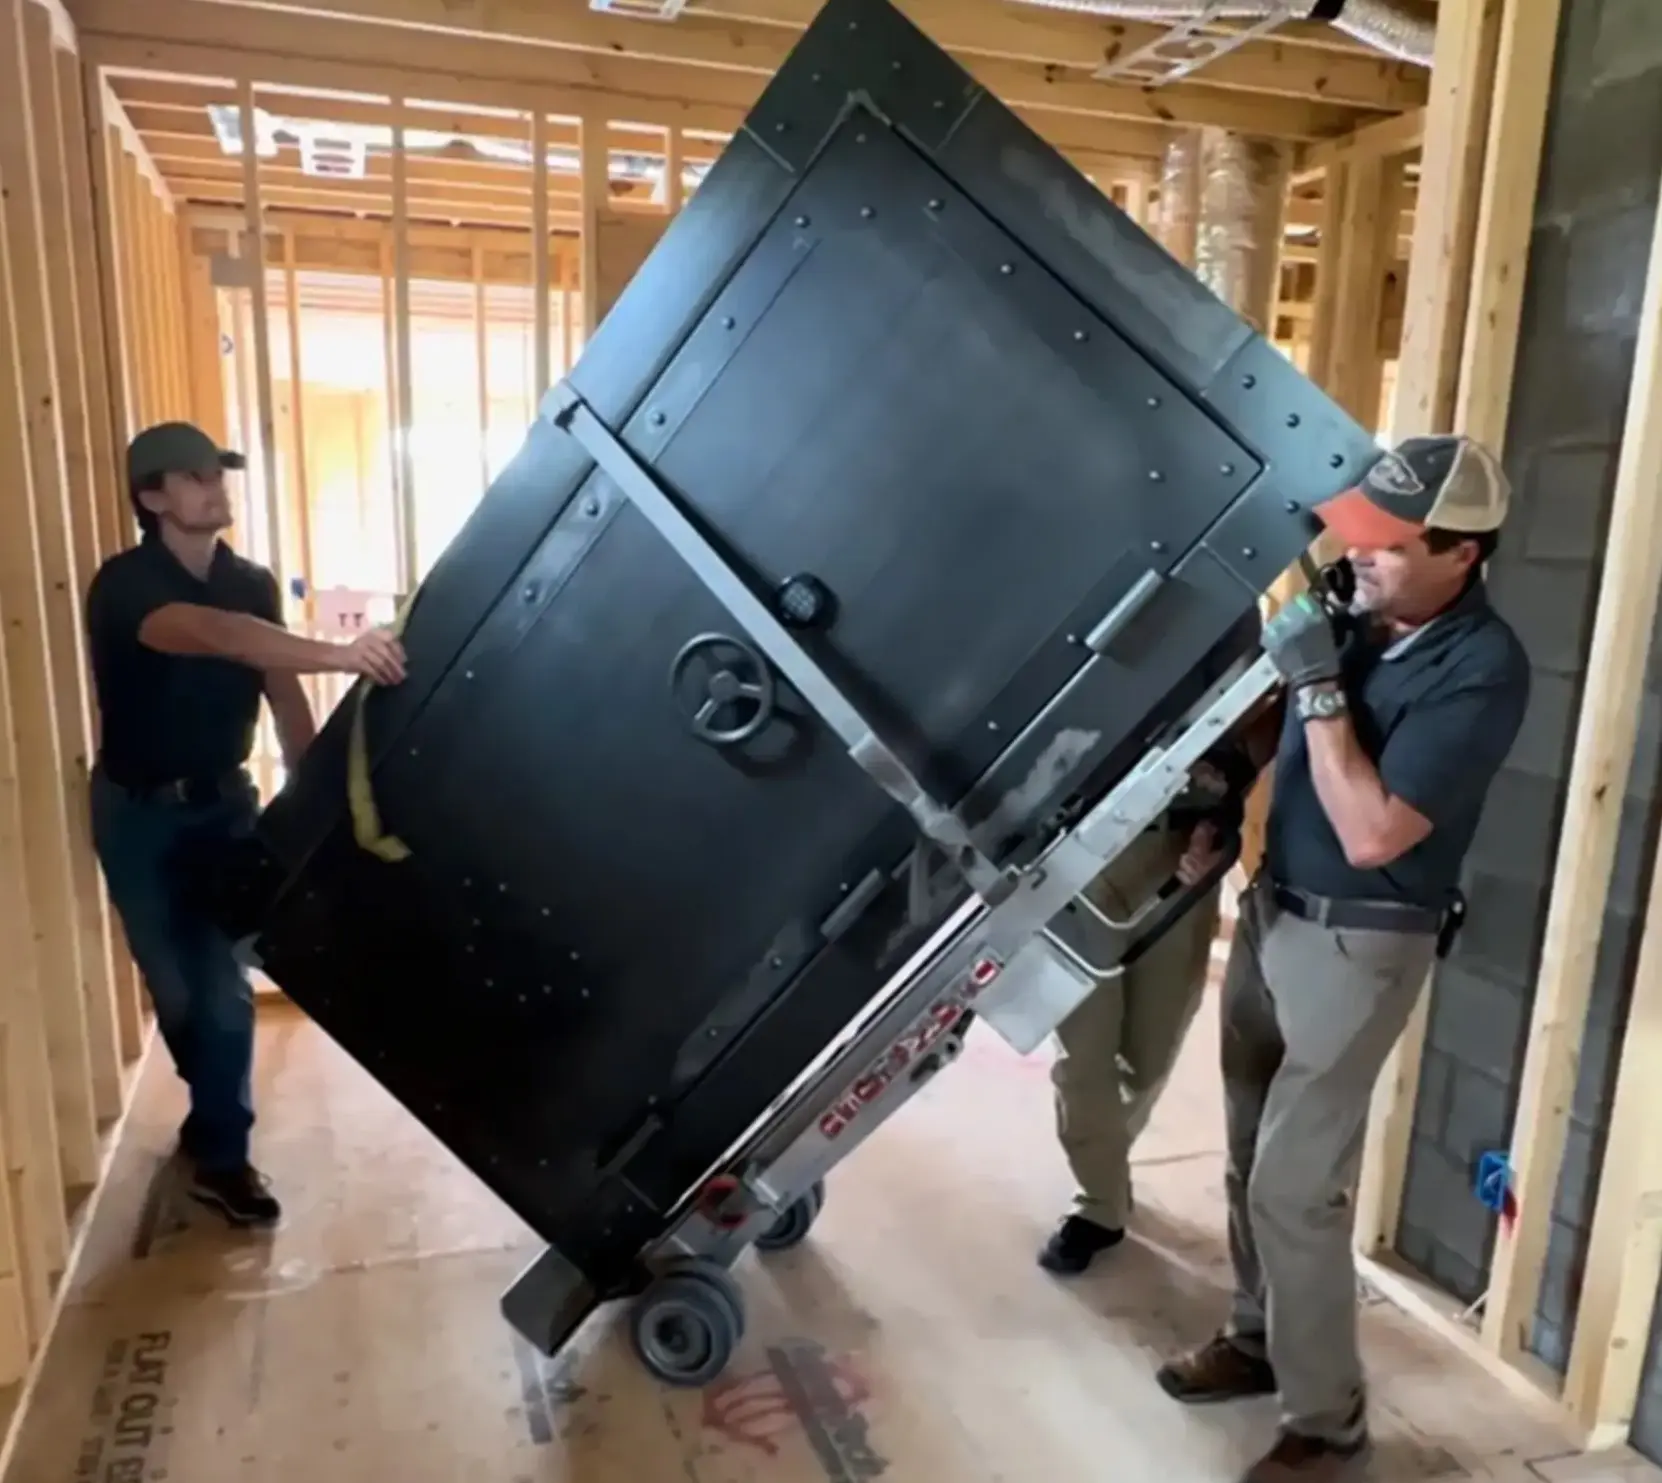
[{"x": 203, "y": 1000}]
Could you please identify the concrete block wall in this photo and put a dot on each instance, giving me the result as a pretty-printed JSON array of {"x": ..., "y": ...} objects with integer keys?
[{"x": 1595, "y": 212}]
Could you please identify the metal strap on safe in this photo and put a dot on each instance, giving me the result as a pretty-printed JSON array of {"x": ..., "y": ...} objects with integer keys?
[
  {"x": 865, "y": 746},
  {"x": 360, "y": 791}
]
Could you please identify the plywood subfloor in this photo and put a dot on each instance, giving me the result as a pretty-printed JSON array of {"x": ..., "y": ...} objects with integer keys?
[{"x": 912, "y": 1338}]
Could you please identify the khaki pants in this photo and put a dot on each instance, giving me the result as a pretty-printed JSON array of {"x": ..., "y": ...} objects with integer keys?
[
  {"x": 1119, "y": 1046},
  {"x": 1309, "y": 1015}
]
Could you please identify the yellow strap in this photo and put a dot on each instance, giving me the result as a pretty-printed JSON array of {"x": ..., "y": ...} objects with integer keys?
[{"x": 360, "y": 796}]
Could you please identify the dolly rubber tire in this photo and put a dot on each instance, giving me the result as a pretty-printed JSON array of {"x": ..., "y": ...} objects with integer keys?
[
  {"x": 713, "y": 1274},
  {"x": 792, "y": 1227},
  {"x": 685, "y": 1327}
]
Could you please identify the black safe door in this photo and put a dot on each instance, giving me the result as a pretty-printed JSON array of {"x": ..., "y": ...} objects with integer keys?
[{"x": 890, "y": 396}]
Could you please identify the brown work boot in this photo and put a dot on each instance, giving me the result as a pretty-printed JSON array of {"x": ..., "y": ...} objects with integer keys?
[
  {"x": 1296, "y": 1459},
  {"x": 1219, "y": 1370}
]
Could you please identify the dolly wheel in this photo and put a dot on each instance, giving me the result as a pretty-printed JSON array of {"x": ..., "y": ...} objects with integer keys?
[
  {"x": 792, "y": 1227},
  {"x": 685, "y": 1328}
]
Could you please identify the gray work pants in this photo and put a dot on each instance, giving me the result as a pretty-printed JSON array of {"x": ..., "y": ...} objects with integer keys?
[
  {"x": 1309, "y": 1015},
  {"x": 1117, "y": 1049}
]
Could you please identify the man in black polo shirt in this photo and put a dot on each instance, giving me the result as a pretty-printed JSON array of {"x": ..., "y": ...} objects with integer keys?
[
  {"x": 1389, "y": 741},
  {"x": 185, "y": 639}
]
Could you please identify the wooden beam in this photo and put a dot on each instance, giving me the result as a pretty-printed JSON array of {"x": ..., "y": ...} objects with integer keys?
[
  {"x": 1451, "y": 166},
  {"x": 540, "y": 247},
  {"x": 134, "y": 146},
  {"x": 226, "y": 41},
  {"x": 594, "y": 188},
  {"x": 1447, "y": 1319},
  {"x": 1506, "y": 216},
  {"x": 389, "y": 353},
  {"x": 1606, "y": 733},
  {"x": 674, "y": 181},
  {"x": 482, "y": 359},
  {"x": 180, "y": 131},
  {"x": 30, "y": 1143},
  {"x": 298, "y": 496},
  {"x": 1367, "y": 241},
  {"x": 493, "y": 109},
  {"x": 1436, "y": 301},
  {"x": 210, "y": 192},
  {"x": 1326, "y": 309},
  {"x": 174, "y": 107},
  {"x": 405, "y": 525},
  {"x": 568, "y": 272},
  {"x": 338, "y": 245},
  {"x": 483, "y": 179},
  {"x": 1625, "y": 1253},
  {"x": 75, "y": 503},
  {"x": 1608, "y": 1349},
  {"x": 989, "y": 18},
  {"x": 254, "y": 207},
  {"x": 97, "y": 318},
  {"x": 57, "y": 755},
  {"x": 968, "y": 29},
  {"x": 106, "y": 198},
  {"x": 1380, "y": 140},
  {"x": 207, "y": 361},
  {"x": 206, "y": 183}
]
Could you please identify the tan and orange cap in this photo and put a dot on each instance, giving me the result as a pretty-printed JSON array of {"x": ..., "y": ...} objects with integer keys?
[{"x": 1444, "y": 483}]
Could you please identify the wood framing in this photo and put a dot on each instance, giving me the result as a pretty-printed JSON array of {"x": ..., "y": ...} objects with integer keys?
[
  {"x": 1451, "y": 166},
  {"x": 64, "y": 1053},
  {"x": 704, "y": 36},
  {"x": 74, "y": 513},
  {"x": 266, "y": 454},
  {"x": 1624, "y": 1256},
  {"x": 1391, "y": 136},
  {"x": 403, "y": 371},
  {"x": 115, "y": 32},
  {"x": 1436, "y": 305},
  {"x": 56, "y": 723},
  {"x": 595, "y": 154},
  {"x": 540, "y": 245},
  {"x": 1606, "y": 735}
]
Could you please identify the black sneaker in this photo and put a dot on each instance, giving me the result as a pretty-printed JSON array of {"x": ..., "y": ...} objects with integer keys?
[
  {"x": 240, "y": 1195},
  {"x": 1076, "y": 1244}
]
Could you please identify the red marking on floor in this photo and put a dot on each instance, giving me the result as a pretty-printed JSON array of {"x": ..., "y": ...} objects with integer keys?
[{"x": 754, "y": 1409}]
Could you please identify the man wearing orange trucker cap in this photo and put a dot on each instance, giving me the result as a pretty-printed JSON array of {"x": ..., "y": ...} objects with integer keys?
[{"x": 1389, "y": 739}]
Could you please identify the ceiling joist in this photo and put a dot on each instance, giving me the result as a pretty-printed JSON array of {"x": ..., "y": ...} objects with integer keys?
[
  {"x": 243, "y": 42},
  {"x": 477, "y": 70},
  {"x": 703, "y": 36}
]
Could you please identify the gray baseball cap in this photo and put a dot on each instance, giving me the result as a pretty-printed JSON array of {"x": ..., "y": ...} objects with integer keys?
[{"x": 176, "y": 448}]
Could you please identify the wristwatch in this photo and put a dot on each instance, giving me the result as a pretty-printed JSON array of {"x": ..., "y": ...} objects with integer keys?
[{"x": 1321, "y": 703}]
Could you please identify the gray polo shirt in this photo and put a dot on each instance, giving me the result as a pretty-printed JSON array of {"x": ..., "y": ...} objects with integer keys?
[{"x": 1437, "y": 711}]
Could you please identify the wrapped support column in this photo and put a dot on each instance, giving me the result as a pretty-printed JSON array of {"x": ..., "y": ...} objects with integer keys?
[
  {"x": 1177, "y": 212},
  {"x": 1243, "y": 194}
]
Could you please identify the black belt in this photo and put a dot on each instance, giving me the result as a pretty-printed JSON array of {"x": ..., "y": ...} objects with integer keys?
[
  {"x": 1356, "y": 916},
  {"x": 192, "y": 790}
]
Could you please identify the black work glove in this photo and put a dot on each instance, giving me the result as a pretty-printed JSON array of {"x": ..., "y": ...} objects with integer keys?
[{"x": 1301, "y": 641}]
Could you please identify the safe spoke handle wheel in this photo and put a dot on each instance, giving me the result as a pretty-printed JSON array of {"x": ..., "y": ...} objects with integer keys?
[{"x": 726, "y": 686}]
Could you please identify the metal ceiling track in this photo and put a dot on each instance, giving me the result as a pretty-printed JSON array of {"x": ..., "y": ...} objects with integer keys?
[{"x": 1188, "y": 46}]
